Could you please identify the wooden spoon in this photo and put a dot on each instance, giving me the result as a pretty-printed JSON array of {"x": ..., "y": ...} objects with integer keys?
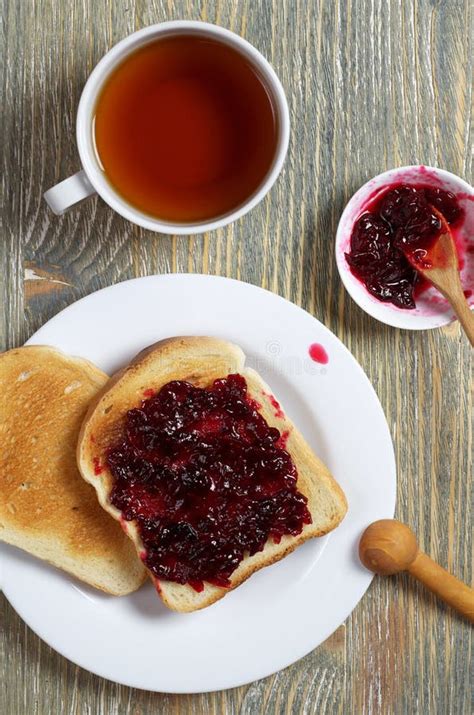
[
  {"x": 440, "y": 265},
  {"x": 388, "y": 547}
]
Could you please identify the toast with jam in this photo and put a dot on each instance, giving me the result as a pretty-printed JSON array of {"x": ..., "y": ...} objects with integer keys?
[
  {"x": 192, "y": 453},
  {"x": 46, "y": 508}
]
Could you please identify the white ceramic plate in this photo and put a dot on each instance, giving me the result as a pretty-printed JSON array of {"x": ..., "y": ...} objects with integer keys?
[
  {"x": 282, "y": 612},
  {"x": 432, "y": 309}
]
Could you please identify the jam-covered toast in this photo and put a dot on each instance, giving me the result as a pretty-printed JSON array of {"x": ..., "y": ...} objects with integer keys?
[
  {"x": 45, "y": 506},
  {"x": 195, "y": 457}
]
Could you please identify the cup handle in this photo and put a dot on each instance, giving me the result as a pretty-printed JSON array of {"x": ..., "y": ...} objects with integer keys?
[{"x": 68, "y": 192}]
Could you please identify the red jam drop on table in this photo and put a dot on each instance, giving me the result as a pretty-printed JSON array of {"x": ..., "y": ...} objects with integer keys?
[
  {"x": 318, "y": 354},
  {"x": 206, "y": 479},
  {"x": 397, "y": 222}
]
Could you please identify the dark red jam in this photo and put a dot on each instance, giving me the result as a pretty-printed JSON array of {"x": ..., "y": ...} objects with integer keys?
[
  {"x": 207, "y": 480},
  {"x": 399, "y": 223}
]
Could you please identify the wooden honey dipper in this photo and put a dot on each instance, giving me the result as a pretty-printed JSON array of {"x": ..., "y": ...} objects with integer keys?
[{"x": 388, "y": 547}]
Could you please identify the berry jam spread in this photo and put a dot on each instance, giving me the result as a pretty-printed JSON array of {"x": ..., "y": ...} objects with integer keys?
[
  {"x": 98, "y": 468},
  {"x": 400, "y": 222},
  {"x": 206, "y": 479}
]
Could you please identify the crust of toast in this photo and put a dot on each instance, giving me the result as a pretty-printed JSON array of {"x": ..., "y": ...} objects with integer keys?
[
  {"x": 201, "y": 360},
  {"x": 45, "y": 506}
]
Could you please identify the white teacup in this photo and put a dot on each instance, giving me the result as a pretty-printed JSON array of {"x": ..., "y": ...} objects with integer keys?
[{"x": 92, "y": 180}]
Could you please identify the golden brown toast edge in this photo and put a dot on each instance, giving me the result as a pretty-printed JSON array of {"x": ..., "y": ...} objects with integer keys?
[{"x": 42, "y": 510}]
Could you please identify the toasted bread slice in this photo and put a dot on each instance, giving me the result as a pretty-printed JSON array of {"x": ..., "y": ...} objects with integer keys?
[
  {"x": 201, "y": 360},
  {"x": 46, "y": 508}
]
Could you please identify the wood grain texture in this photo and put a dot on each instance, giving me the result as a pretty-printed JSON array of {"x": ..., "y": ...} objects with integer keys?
[{"x": 371, "y": 84}]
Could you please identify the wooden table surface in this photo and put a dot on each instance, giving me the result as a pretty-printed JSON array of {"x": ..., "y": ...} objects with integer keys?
[{"x": 371, "y": 84}]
